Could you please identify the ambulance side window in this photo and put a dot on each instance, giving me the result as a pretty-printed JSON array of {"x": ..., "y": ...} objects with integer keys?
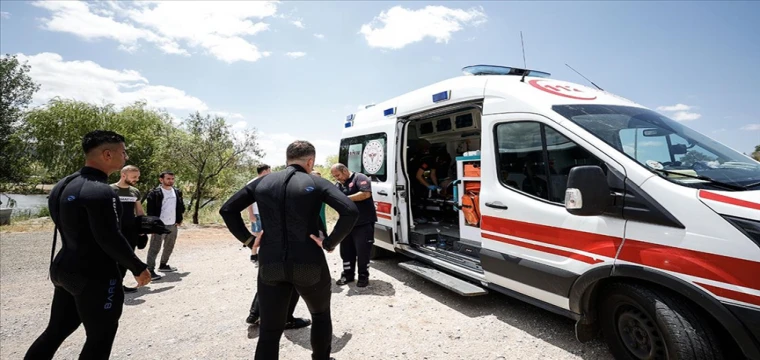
[
  {"x": 366, "y": 154},
  {"x": 536, "y": 159}
]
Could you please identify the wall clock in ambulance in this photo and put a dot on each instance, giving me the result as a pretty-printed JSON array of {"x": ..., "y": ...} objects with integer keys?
[{"x": 373, "y": 157}]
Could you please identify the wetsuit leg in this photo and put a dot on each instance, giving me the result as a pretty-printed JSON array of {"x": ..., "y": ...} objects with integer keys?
[
  {"x": 274, "y": 300},
  {"x": 317, "y": 298},
  {"x": 365, "y": 236},
  {"x": 292, "y": 306},
  {"x": 64, "y": 320},
  {"x": 100, "y": 306},
  {"x": 348, "y": 255},
  {"x": 255, "y": 305}
]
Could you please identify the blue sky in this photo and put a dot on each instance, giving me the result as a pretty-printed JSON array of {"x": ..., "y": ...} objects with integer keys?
[{"x": 296, "y": 69}]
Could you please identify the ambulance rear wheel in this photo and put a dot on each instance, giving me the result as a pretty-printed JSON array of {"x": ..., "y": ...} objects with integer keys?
[{"x": 643, "y": 323}]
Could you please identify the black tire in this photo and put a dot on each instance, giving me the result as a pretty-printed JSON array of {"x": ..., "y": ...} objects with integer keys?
[{"x": 643, "y": 323}]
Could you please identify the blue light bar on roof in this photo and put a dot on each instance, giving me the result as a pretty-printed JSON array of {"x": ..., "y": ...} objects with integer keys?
[
  {"x": 441, "y": 96},
  {"x": 350, "y": 117},
  {"x": 349, "y": 124},
  {"x": 388, "y": 112}
]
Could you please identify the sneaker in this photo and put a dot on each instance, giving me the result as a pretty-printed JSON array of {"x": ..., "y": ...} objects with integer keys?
[
  {"x": 297, "y": 323},
  {"x": 129, "y": 290},
  {"x": 344, "y": 280},
  {"x": 252, "y": 319},
  {"x": 166, "y": 268},
  {"x": 154, "y": 276},
  {"x": 363, "y": 282}
]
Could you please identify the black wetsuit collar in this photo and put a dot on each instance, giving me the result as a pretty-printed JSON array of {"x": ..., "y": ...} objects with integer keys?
[
  {"x": 297, "y": 167},
  {"x": 94, "y": 173}
]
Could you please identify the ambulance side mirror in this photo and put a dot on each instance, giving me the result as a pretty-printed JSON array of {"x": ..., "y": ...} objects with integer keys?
[{"x": 588, "y": 193}]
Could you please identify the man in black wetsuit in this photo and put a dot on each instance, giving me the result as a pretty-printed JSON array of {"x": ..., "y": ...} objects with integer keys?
[
  {"x": 85, "y": 273},
  {"x": 291, "y": 252}
]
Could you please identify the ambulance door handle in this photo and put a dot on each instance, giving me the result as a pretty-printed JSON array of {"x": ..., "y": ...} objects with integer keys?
[
  {"x": 382, "y": 192},
  {"x": 497, "y": 206}
]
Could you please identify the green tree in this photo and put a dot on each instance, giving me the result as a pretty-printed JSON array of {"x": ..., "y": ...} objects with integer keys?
[
  {"x": 55, "y": 133},
  {"x": 16, "y": 91},
  {"x": 756, "y": 154},
  {"x": 331, "y": 160},
  {"x": 212, "y": 154}
]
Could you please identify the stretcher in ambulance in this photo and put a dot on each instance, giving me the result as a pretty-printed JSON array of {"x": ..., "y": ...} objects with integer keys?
[{"x": 573, "y": 199}]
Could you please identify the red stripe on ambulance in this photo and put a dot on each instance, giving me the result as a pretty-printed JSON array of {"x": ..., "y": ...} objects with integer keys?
[
  {"x": 700, "y": 264},
  {"x": 567, "y": 254},
  {"x": 728, "y": 200},
  {"x": 732, "y": 294}
]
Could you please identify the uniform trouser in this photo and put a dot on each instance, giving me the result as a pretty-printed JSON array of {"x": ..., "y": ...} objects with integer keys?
[
  {"x": 97, "y": 304},
  {"x": 133, "y": 244},
  {"x": 274, "y": 296},
  {"x": 155, "y": 246},
  {"x": 358, "y": 244},
  {"x": 291, "y": 307}
]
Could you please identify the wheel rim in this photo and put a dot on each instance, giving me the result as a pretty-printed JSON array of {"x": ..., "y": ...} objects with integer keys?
[{"x": 639, "y": 334}]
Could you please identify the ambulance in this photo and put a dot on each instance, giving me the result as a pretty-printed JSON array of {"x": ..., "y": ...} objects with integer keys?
[{"x": 581, "y": 202}]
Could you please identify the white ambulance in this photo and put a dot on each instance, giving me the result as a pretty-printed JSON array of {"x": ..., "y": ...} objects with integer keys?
[{"x": 573, "y": 199}]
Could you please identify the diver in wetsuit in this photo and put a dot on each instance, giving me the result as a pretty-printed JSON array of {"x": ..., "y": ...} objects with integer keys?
[
  {"x": 85, "y": 273},
  {"x": 291, "y": 254}
]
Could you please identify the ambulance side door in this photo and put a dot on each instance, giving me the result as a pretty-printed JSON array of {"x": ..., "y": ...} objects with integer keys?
[
  {"x": 369, "y": 154},
  {"x": 531, "y": 243}
]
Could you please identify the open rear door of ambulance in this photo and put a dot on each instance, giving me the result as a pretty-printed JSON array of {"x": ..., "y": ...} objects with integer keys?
[{"x": 369, "y": 147}]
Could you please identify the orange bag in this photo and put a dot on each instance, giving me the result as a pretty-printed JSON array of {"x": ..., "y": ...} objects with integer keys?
[{"x": 471, "y": 207}]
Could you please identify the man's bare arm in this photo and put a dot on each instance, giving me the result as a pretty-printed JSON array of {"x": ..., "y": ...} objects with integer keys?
[
  {"x": 362, "y": 195},
  {"x": 139, "y": 209}
]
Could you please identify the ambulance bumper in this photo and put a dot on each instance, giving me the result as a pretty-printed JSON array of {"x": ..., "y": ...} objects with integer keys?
[{"x": 750, "y": 318}]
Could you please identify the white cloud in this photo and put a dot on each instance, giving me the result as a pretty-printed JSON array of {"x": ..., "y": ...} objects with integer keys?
[
  {"x": 274, "y": 145},
  {"x": 298, "y": 23},
  {"x": 437, "y": 59},
  {"x": 676, "y": 107},
  {"x": 751, "y": 127},
  {"x": 242, "y": 124},
  {"x": 295, "y": 54},
  {"x": 216, "y": 27},
  {"x": 227, "y": 115},
  {"x": 90, "y": 82},
  {"x": 5, "y": 15},
  {"x": 399, "y": 26},
  {"x": 319, "y": 36},
  {"x": 685, "y": 116},
  {"x": 680, "y": 112}
]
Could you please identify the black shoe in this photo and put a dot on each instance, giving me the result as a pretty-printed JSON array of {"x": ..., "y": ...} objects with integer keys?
[
  {"x": 128, "y": 290},
  {"x": 297, "y": 323},
  {"x": 154, "y": 276},
  {"x": 252, "y": 319},
  {"x": 344, "y": 280},
  {"x": 363, "y": 282},
  {"x": 166, "y": 268}
]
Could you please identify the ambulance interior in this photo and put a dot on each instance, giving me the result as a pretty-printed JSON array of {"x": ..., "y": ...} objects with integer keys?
[{"x": 453, "y": 143}]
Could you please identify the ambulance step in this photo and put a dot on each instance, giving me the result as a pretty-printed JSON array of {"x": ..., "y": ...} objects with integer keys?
[{"x": 452, "y": 283}]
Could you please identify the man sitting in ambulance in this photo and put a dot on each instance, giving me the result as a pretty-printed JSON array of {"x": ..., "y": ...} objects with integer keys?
[{"x": 423, "y": 166}]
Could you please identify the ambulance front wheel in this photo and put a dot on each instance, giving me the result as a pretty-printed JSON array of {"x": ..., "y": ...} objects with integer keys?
[{"x": 643, "y": 323}]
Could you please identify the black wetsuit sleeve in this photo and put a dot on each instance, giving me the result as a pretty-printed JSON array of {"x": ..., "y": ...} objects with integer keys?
[
  {"x": 347, "y": 211},
  {"x": 104, "y": 224},
  {"x": 231, "y": 209}
]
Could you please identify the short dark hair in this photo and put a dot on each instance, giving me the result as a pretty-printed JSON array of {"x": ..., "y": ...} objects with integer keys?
[
  {"x": 163, "y": 173},
  {"x": 261, "y": 168},
  {"x": 96, "y": 138},
  {"x": 300, "y": 149}
]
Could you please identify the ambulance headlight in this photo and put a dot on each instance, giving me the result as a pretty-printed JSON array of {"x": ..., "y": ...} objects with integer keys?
[{"x": 573, "y": 199}]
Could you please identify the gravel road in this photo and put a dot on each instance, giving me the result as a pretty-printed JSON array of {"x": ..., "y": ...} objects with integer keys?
[{"x": 199, "y": 312}]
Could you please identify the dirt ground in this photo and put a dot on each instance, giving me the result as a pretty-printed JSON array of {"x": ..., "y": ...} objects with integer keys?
[{"x": 199, "y": 312}]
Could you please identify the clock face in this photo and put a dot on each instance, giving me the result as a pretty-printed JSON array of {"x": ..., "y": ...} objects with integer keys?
[{"x": 373, "y": 157}]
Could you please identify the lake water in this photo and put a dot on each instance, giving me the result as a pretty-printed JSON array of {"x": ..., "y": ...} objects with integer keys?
[{"x": 25, "y": 202}]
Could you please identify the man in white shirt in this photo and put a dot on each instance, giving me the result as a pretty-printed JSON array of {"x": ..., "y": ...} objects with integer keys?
[{"x": 167, "y": 203}]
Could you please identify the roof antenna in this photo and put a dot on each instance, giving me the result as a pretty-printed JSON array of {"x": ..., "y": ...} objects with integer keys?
[
  {"x": 592, "y": 83},
  {"x": 525, "y": 63}
]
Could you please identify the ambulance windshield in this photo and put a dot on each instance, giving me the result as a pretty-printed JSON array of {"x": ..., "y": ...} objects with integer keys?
[{"x": 681, "y": 155}]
